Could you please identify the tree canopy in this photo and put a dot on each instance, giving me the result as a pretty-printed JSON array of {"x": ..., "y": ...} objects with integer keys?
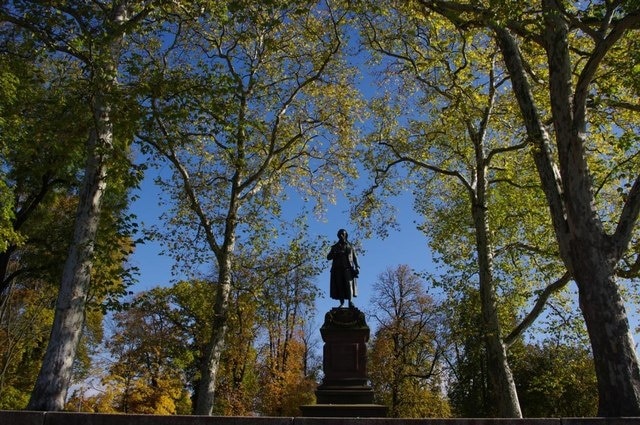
[{"x": 513, "y": 126}]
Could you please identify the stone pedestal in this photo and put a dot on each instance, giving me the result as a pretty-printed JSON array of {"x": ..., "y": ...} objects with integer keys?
[{"x": 344, "y": 390}]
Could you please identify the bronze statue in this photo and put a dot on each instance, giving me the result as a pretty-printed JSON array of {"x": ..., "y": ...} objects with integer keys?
[{"x": 344, "y": 270}]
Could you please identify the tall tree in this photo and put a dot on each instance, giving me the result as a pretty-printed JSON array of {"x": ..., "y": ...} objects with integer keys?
[
  {"x": 148, "y": 350},
  {"x": 584, "y": 45},
  {"x": 287, "y": 301},
  {"x": 405, "y": 367},
  {"x": 263, "y": 100},
  {"x": 460, "y": 152},
  {"x": 91, "y": 35}
]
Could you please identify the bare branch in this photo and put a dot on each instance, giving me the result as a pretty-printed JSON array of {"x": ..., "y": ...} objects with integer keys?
[
  {"x": 628, "y": 219},
  {"x": 618, "y": 30},
  {"x": 537, "y": 308},
  {"x": 632, "y": 272},
  {"x": 512, "y": 148},
  {"x": 427, "y": 166},
  {"x": 196, "y": 207},
  {"x": 634, "y": 107}
]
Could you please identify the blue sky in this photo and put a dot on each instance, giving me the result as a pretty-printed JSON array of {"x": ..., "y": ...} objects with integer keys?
[{"x": 406, "y": 246}]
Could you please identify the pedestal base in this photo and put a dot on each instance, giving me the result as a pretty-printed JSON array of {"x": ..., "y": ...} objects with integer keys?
[
  {"x": 344, "y": 391},
  {"x": 344, "y": 395},
  {"x": 344, "y": 411}
]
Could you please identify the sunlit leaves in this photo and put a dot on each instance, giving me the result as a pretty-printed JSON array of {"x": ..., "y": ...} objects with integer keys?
[
  {"x": 155, "y": 355},
  {"x": 452, "y": 121},
  {"x": 145, "y": 354},
  {"x": 264, "y": 102}
]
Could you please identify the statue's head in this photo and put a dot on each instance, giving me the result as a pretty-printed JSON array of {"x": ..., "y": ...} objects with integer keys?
[{"x": 342, "y": 235}]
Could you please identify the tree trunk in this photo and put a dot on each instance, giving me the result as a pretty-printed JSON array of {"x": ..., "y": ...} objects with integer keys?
[
  {"x": 613, "y": 348},
  {"x": 53, "y": 380},
  {"x": 55, "y": 374},
  {"x": 501, "y": 383},
  {"x": 5, "y": 279},
  {"x": 592, "y": 255},
  {"x": 589, "y": 254},
  {"x": 210, "y": 367},
  {"x": 209, "y": 371}
]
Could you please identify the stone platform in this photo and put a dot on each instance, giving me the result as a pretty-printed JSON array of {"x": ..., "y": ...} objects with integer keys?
[
  {"x": 344, "y": 411},
  {"x": 64, "y": 418}
]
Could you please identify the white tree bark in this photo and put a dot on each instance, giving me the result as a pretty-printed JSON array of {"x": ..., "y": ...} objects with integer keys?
[
  {"x": 53, "y": 380},
  {"x": 502, "y": 386},
  {"x": 209, "y": 370}
]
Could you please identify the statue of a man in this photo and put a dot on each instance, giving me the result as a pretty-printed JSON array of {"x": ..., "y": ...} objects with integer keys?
[{"x": 344, "y": 270}]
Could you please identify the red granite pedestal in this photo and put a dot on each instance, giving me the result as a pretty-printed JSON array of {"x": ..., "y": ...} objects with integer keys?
[{"x": 344, "y": 391}]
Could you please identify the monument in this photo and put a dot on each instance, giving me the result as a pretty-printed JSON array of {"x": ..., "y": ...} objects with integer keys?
[{"x": 345, "y": 391}]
